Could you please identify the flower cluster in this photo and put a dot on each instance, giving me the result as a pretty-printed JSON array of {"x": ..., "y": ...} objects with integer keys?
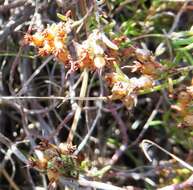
[
  {"x": 56, "y": 161},
  {"x": 50, "y": 41},
  {"x": 126, "y": 89},
  {"x": 184, "y": 106},
  {"x": 144, "y": 62},
  {"x": 91, "y": 52},
  {"x": 53, "y": 41}
]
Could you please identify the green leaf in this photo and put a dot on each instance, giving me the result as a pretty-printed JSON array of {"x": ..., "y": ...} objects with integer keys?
[
  {"x": 180, "y": 42},
  {"x": 113, "y": 142},
  {"x": 155, "y": 122},
  {"x": 62, "y": 17},
  {"x": 120, "y": 73}
]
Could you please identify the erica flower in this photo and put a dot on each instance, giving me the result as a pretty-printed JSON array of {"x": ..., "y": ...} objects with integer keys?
[
  {"x": 184, "y": 107},
  {"x": 94, "y": 49},
  {"x": 50, "y": 41}
]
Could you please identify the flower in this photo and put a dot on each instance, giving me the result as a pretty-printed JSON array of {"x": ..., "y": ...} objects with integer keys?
[{"x": 50, "y": 41}]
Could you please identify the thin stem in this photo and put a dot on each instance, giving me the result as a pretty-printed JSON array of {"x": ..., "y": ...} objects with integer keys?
[
  {"x": 66, "y": 98},
  {"x": 146, "y": 126},
  {"x": 36, "y": 72},
  {"x": 161, "y": 86},
  {"x": 79, "y": 107},
  {"x": 144, "y": 148},
  {"x": 9, "y": 179},
  {"x": 85, "y": 140},
  {"x": 10, "y": 54}
]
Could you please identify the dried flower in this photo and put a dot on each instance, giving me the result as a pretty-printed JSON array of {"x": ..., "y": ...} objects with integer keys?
[
  {"x": 183, "y": 106},
  {"x": 51, "y": 41},
  {"x": 144, "y": 62},
  {"x": 126, "y": 89},
  {"x": 94, "y": 47},
  {"x": 57, "y": 161}
]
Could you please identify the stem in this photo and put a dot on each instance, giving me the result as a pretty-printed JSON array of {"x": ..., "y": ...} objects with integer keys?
[
  {"x": 144, "y": 147},
  {"x": 35, "y": 73},
  {"x": 63, "y": 98},
  {"x": 10, "y": 54},
  {"x": 79, "y": 107},
  {"x": 98, "y": 185},
  {"x": 9, "y": 179},
  {"x": 161, "y": 86},
  {"x": 86, "y": 184}
]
